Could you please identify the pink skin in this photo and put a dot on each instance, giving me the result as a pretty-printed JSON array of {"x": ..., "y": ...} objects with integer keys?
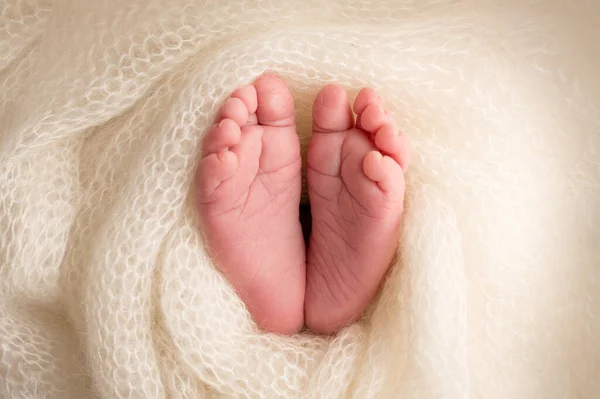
[
  {"x": 248, "y": 190},
  {"x": 356, "y": 188}
]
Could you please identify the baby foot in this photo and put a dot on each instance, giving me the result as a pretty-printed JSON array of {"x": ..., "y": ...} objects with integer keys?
[
  {"x": 248, "y": 187},
  {"x": 356, "y": 188}
]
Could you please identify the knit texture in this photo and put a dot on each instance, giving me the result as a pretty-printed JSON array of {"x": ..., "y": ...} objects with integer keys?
[{"x": 106, "y": 290}]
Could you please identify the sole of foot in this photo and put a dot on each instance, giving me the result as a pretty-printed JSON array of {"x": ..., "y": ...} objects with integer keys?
[
  {"x": 356, "y": 187},
  {"x": 248, "y": 185}
]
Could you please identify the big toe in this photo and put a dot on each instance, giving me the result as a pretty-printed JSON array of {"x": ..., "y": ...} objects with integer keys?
[
  {"x": 275, "y": 101},
  {"x": 331, "y": 111}
]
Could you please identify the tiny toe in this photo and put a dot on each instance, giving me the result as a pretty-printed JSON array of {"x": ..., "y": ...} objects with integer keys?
[
  {"x": 275, "y": 101},
  {"x": 387, "y": 139},
  {"x": 234, "y": 109},
  {"x": 383, "y": 170},
  {"x": 212, "y": 171},
  {"x": 331, "y": 111},
  {"x": 365, "y": 97},
  {"x": 221, "y": 136},
  {"x": 395, "y": 144},
  {"x": 373, "y": 118},
  {"x": 248, "y": 95},
  {"x": 371, "y": 165}
]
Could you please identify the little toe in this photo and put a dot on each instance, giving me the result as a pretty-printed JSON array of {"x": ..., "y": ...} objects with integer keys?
[
  {"x": 395, "y": 144},
  {"x": 275, "y": 103},
  {"x": 212, "y": 171},
  {"x": 331, "y": 111},
  {"x": 234, "y": 109},
  {"x": 221, "y": 136},
  {"x": 384, "y": 171}
]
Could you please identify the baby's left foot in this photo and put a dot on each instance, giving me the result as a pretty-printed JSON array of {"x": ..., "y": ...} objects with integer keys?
[
  {"x": 356, "y": 188},
  {"x": 248, "y": 186}
]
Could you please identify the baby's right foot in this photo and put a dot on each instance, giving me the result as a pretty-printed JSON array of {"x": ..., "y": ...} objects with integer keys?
[
  {"x": 356, "y": 188},
  {"x": 248, "y": 188}
]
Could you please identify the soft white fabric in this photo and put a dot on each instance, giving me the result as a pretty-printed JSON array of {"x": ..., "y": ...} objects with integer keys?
[{"x": 106, "y": 291}]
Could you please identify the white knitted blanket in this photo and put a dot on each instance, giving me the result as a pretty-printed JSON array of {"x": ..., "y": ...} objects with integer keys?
[{"x": 106, "y": 291}]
